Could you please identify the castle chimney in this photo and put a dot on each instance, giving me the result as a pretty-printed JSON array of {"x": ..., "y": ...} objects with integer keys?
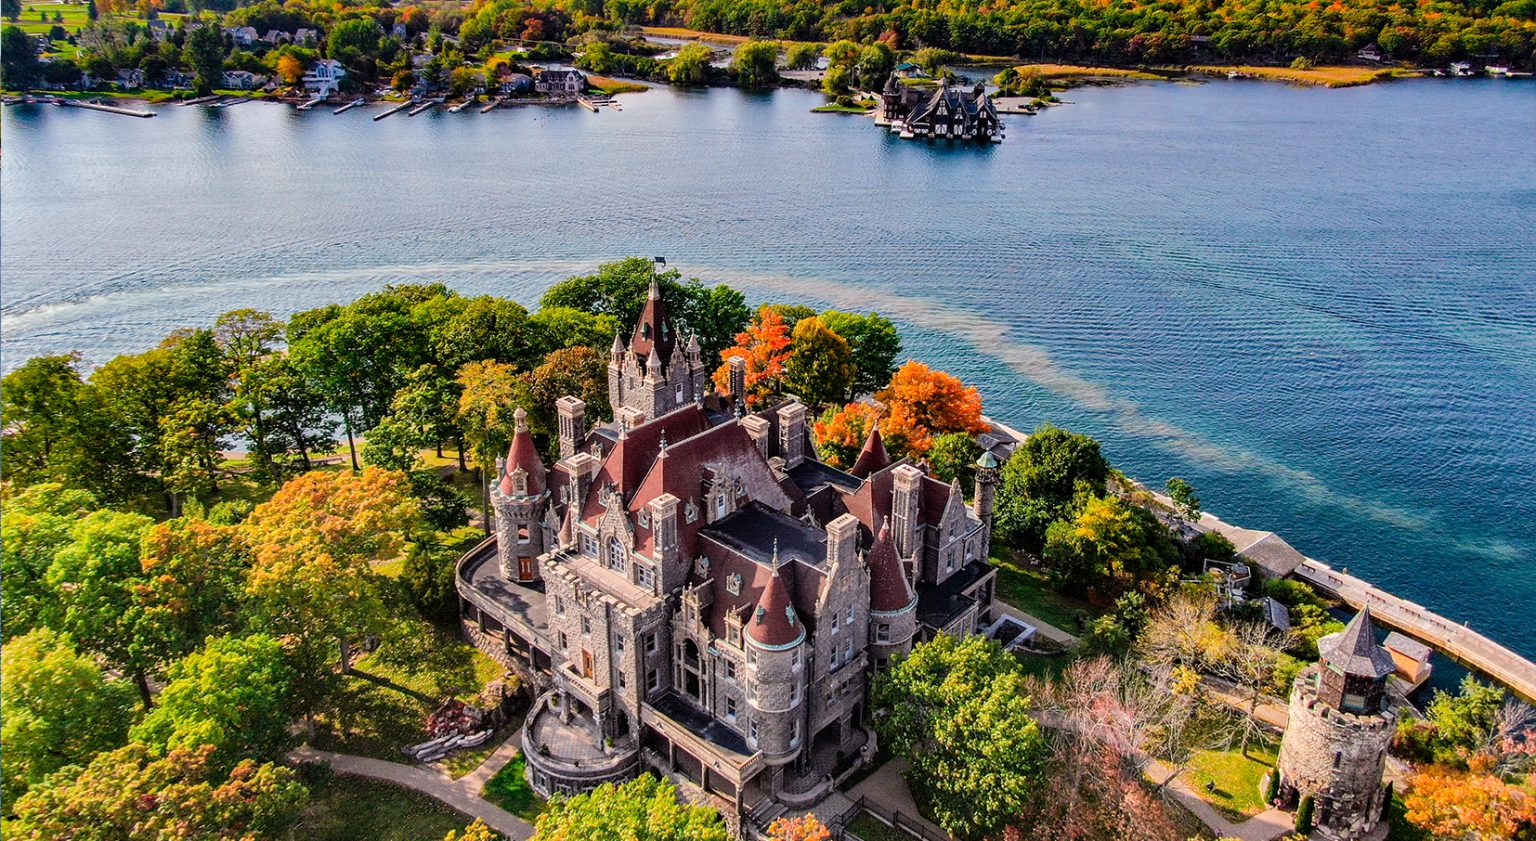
[
  {"x": 792, "y": 434},
  {"x": 573, "y": 425},
  {"x": 842, "y": 540},
  {"x": 739, "y": 380}
]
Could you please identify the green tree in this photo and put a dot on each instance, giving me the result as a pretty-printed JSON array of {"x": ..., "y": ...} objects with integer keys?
[
  {"x": 204, "y": 53},
  {"x": 875, "y": 343},
  {"x": 933, "y": 59},
  {"x": 953, "y": 456},
  {"x": 192, "y": 577},
  {"x": 129, "y": 794},
  {"x": 18, "y": 59},
  {"x": 487, "y": 328},
  {"x": 233, "y": 694},
  {"x": 837, "y": 80},
  {"x": 355, "y": 43},
  {"x": 643, "y": 809},
  {"x": 11, "y": 9},
  {"x": 691, "y": 65},
  {"x": 755, "y": 64},
  {"x": 190, "y": 446},
  {"x": 58, "y": 708},
  {"x": 297, "y": 423},
  {"x": 1183, "y": 495},
  {"x": 876, "y": 62},
  {"x": 958, "y": 712},
  {"x": 1041, "y": 480},
  {"x": 1109, "y": 547},
  {"x": 38, "y": 522},
  {"x": 553, "y": 328},
  {"x": 425, "y": 406},
  {"x": 578, "y": 371},
  {"x": 58, "y": 429},
  {"x": 842, "y": 53},
  {"x": 1304, "y": 815},
  {"x": 801, "y": 56},
  {"x": 248, "y": 338},
  {"x": 820, "y": 366},
  {"x": 355, "y": 357}
]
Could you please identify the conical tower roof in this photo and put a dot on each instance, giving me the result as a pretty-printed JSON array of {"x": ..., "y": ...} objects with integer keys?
[
  {"x": 654, "y": 331},
  {"x": 522, "y": 454},
  {"x": 1354, "y": 651},
  {"x": 774, "y": 623},
  {"x": 873, "y": 457},
  {"x": 889, "y": 589}
]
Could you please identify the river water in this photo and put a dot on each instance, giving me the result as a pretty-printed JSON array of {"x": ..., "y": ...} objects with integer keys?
[{"x": 1317, "y": 305}]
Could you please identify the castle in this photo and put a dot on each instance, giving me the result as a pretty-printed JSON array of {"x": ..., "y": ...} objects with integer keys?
[
  {"x": 1341, "y": 724},
  {"x": 943, "y": 112},
  {"x": 693, "y": 592}
]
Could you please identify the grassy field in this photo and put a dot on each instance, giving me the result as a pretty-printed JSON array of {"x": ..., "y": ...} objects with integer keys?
[
  {"x": 509, "y": 789},
  {"x": 1078, "y": 71},
  {"x": 1235, "y": 779},
  {"x": 383, "y": 705},
  {"x": 1030, "y": 591},
  {"x": 348, "y": 808},
  {"x": 1332, "y": 77},
  {"x": 694, "y": 35},
  {"x": 834, "y": 108},
  {"x": 614, "y": 86}
]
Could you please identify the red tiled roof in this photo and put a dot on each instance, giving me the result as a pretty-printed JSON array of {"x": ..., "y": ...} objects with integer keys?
[
  {"x": 654, "y": 330},
  {"x": 873, "y": 456},
  {"x": 631, "y": 456},
  {"x": 889, "y": 589},
  {"x": 774, "y": 621},
  {"x": 523, "y": 454}
]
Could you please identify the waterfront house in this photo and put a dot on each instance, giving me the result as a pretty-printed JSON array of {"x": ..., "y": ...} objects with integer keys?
[
  {"x": 243, "y": 80},
  {"x": 242, "y": 36},
  {"x": 908, "y": 70},
  {"x": 1371, "y": 52},
  {"x": 944, "y": 112},
  {"x": 158, "y": 29},
  {"x": 306, "y": 37},
  {"x": 517, "y": 84},
  {"x": 323, "y": 77},
  {"x": 130, "y": 79},
  {"x": 689, "y": 590},
  {"x": 560, "y": 83}
]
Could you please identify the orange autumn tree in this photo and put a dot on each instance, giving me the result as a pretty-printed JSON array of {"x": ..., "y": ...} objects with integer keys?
[
  {"x": 840, "y": 433},
  {"x": 765, "y": 346},
  {"x": 291, "y": 69},
  {"x": 804, "y": 828},
  {"x": 921, "y": 403},
  {"x": 1475, "y": 806}
]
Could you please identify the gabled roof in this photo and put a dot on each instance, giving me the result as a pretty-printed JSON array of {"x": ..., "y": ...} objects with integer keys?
[
  {"x": 889, "y": 589},
  {"x": 632, "y": 454},
  {"x": 774, "y": 622},
  {"x": 1354, "y": 651},
  {"x": 523, "y": 455},
  {"x": 873, "y": 456}
]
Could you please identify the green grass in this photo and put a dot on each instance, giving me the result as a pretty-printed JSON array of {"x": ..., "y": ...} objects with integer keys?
[
  {"x": 870, "y": 828},
  {"x": 1236, "y": 778},
  {"x": 383, "y": 706},
  {"x": 349, "y": 808},
  {"x": 834, "y": 108},
  {"x": 1030, "y": 591},
  {"x": 509, "y": 789}
]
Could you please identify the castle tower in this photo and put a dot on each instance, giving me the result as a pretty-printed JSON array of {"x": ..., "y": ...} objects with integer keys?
[
  {"x": 573, "y": 424},
  {"x": 986, "y": 489},
  {"x": 1335, "y": 747},
  {"x": 892, "y": 602},
  {"x": 873, "y": 458},
  {"x": 520, "y": 499},
  {"x": 777, "y": 668},
  {"x": 906, "y": 496}
]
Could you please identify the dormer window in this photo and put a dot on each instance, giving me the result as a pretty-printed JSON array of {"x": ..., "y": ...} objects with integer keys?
[
  {"x": 720, "y": 506},
  {"x": 645, "y": 330},
  {"x": 733, "y": 584},
  {"x": 691, "y": 511},
  {"x": 645, "y": 519},
  {"x": 616, "y": 555}
]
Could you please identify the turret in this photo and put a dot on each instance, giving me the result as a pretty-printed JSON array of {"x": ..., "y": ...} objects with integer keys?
[
  {"x": 906, "y": 496},
  {"x": 892, "y": 601},
  {"x": 775, "y": 639},
  {"x": 986, "y": 489},
  {"x": 520, "y": 499},
  {"x": 873, "y": 458}
]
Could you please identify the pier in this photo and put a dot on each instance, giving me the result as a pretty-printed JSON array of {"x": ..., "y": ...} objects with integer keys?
[
  {"x": 349, "y": 106},
  {"x": 395, "y": 110},
  {"x": 97, "y": 106},
  {"x": 312, "y": 103},
  {"x": 1459, "y": 642},
  {"x": 422, "y": 107},
  {"x": 200, "y": 100},
  {"x": 490, "y": 106},
  {"x": 587, "y": 104}
]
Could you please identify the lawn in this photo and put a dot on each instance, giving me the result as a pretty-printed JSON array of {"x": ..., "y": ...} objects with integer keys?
[
  {"x": 1077, "y": 71},
  {"x": 1235, "y": 779},
  {"x": 509, "y": 789},
  {"x": 1332, "y": 77},
  {"x": 611, "y": 87},
  {"x": 348, "y": 808},
  {"x": 1030, "y": 591},
  {"x": 870, "y": 828},
  {"x": 383, "y": 705},
  {"x": 834, "y": 108}
]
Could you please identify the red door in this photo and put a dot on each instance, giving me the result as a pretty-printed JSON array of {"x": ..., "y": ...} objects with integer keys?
[{"x": 525, "y": 568}]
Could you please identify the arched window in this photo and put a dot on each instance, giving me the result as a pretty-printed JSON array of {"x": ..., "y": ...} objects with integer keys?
[{"x": 616, "y": 554}]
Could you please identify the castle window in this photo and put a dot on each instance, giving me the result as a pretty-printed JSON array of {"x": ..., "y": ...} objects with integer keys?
[
  {"x": 564, "y": 642},
  {"x": 850, "y": 616},
  {"x": 621, "y": 679},
  {"x": 733, "y": 584},
  {"x": 751, "y": 657},
  {"x": 720, "y": 505},
  {"x": 1338, "y": 757},
  {"x": 645, "y": 519},
  {"x": 586, "y": 625},
  {"x": 834, "y": 658},
  {"x": 733, "y": 633},
  {"x": 834, "y": 622},
  {"x": 618, "y": 643},
  {"x": 883, "y": 632},
  {"x": 730, "y": 670},
  {"x": 848, "y": 651},
  {"x": 589, "y": 545},
  {"x": 653, "y": 680},
  {"x": 1354, "y": 702},
  {"x": 678, "y": 392},
  {"x": 650, "y": 644},
  {"x": 794, "y": 733},
  {"x": 616, "y": 555},
  {"x": 794, "y": 660},
  {"x": 522, "y": 534},
  {"x": 794, "y": 694},
  {"x": 752, "y": 733},
  {"x": 645, "y": 577},
  {"x": 730, "y": 708}
]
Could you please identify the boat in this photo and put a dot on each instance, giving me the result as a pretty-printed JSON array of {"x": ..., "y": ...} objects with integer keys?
[
  {"x": 1461, "y": 68},
  {"x": 1498, "y": 70}
]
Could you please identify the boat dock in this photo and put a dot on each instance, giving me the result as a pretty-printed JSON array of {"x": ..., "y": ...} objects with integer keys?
[
  {"x": 1459, "y": 642},
  {"x": 200, "y": 100},
  {"x": 460, "y": 106},
  {"x": 395, "y": 110},
  {"x": 231, "y": 100},
  {"x": 587, "y": 104},
  {"x": 312, "y": 103},
  {"x": 97, "y": 106},
  {"x": 349, "y": 106},
  {"x": 422, "y": 107},
  {"x": 490, "y": 106}
]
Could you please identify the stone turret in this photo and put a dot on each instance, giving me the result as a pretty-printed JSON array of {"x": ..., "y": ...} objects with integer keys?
[
  {"x": 873, "y": 457},
  {"x": 892, "y": 602},
  {"x": 986, "y": 490},
  {"x": 521, "y": 499},
  {"x": 776, "y": 659},
  {"x": 1335, "y": 746}
]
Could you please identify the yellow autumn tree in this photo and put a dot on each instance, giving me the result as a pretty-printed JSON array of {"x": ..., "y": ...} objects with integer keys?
[
  {"x": 1470, "y": 805},
  {"x": 291, "y": 69},
  {"x": 803, "y": 828}
]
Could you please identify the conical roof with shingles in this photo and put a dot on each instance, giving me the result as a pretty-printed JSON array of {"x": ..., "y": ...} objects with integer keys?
[
  {"x": 654, "y": 331},
  {"x": 1355, "y": 651},
  {"x": 773, "y": 623},
  {"x": 523, "y": 454},
  {"x": 873, "y": 457},
  {"x": 889, "y": 589}
]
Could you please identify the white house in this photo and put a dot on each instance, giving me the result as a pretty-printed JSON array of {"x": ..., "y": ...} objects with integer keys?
[
  {"x": 560, "y": 82},
  {"x": 324, "y": 76},
  {"x": 243, "y": 36}
]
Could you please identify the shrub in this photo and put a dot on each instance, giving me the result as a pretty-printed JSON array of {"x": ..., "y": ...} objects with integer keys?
[{"x": 1304, "y": 815}]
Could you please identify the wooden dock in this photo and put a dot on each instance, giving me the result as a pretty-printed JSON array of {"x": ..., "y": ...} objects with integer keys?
[
  {"x": 200, "y": 100},
  {"x": 1459, "y": 642},
  {"x": 490, "y": 106},
  {"x": 422, "y": 107},
  {"x": 587, "y": 104},
  {"x": 349, "y": 106},
  {"x": 97, "y": 106},
  {"x": 460, "y": 106},
  {"x": 395, "y": 110},
  {"x": 312, "y": 103}
]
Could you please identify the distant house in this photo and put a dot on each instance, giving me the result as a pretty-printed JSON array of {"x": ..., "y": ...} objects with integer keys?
[
  {"x": 274, "y": 35},
  {"x": 158, "y": 30},
  {"x": 516, "y": 84},
  {"x": 398, "y": 31},
  {"x": 242, "y": 36},
  {"x": 942, "y": 112},
  {"x": 243, "y": 80},
  {"x": 908, "y": 70},
  {"x": 131, "y": 78},
  {"x": 1371, "y": 52},
  {"x": 305, "y": 37},
  {"x": 324, "y": 76},
  {"x": 560, "y": 82}
]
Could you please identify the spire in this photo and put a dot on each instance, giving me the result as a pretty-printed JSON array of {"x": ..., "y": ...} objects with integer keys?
[
  {"x": 873, "y": 457},
  {"x": 655, "y": 293},
  {"x": 889, "y": 590},
  {"x": 522, "y": 455},
  {"x": 654, "y": 334},
  {"x": 774, "y": 623},
  {"x": 618, "y": 344},
  {"x": 1354, "y": 650}
]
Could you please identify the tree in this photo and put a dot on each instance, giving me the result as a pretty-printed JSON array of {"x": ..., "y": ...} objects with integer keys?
[
  {"x": 1109, "y": 546},
  {"x": 804, "y": 828},
  {"x": 355, "y": 43},
  {"x": 204, "y": 53},
  {"x": 755, "y": 64},
  {"x": 18, "y": 59},
  {"x": 130, "y": 794},
  {"x": 840, "y": 433},
  {"x": 820, "y": 365},
  {"x": 1457, "y": 728},
  {"x": 1184, "y": 500},
  {"x": 356, "y": 358},
  {"x": 190, "y": 446},
  {"x": 875, "y": 344},
  {"x": 957, "y": 711},
  {"x": 1183, "y": 632},
  {"x": 296, "y": 420},
  {"x": 11, "y": 9},
  {"x": 691, "y": 65},
  {"x": 94, "y": 578},
  {"x": 1473, "y": 806},
  {"x": 933, "y": 59},
  {"x": 486, "y": 328},
  {"x": 247, "y": 338},
  {"x": 619, "y": 290},
  {"x": 477, "y": 831},
  {"x": 232, "y": 695},
  {"x": 643, "y": 809},
  {"x": 578, "y": 371},
  {"x": 764, "y": 344},
  {"x": 192, "y": 577},
  {"x": 312, "y": 585},
  {"x": 842, "y": 53},
  {"x": 58, "y": 708},
  {"x": 876, "y": 62},
  {"x": 953, "y": 456},
  {"x": 425, "y": 407},
  {"x": 57, "y": 429},
  {"x": 553, "y": 328},
  {"x": 837, "y": 80},
  {"x": 801, "y": 56},
  {"x": 290, "y": 69},
  {"x": 38, "y": 522},
  {"x": 1251, "y": 664},
  {"x": 1304, "y": 815},
  {"x": 923, "y": 402},
  {"x": 1041, "y": 480}
]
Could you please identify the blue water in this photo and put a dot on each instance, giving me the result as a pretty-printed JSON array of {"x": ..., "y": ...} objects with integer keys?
[{"x": 1317, "y": 305}]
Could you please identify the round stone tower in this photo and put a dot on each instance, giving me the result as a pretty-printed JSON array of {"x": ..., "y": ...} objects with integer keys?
[
  {"x": 776, "y": 652},
  {"x": 520, "y": 499},
  {"x": 1335, "y": 747},
  {"x": 892, "y": 602}
]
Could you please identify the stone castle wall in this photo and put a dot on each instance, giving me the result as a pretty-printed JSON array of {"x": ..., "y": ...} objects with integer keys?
[{"x": 1336, "y": 757}]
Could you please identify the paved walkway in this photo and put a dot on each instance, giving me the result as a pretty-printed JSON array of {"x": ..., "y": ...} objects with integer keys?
[
  {"x": 462, "y": 795},
  {"x": 887, "y": 790},
  {"x": 1265, "y": 826},
  {"x": 1042, "y": 627}
]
